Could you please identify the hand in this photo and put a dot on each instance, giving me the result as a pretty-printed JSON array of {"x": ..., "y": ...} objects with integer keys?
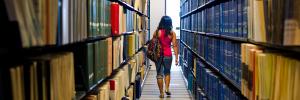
[{"x": 176, "y": 62}]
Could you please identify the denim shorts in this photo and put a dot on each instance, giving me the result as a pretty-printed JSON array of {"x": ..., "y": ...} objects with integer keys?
[{"x": 163, "y": 66}]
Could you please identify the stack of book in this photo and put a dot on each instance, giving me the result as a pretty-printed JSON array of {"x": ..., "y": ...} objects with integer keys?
[
  {"x": 212, "y": 86},
  {"x": 263, "y": 72},
  {"x": 40, "y": 23},
  {"x": 93, "y": 62},
  {"x": 41, "y": 77},
  {"x": 274, "y": 21}
]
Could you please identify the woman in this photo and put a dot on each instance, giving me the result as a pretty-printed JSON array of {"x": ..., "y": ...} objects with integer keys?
[{"x": 163, "y": 65}]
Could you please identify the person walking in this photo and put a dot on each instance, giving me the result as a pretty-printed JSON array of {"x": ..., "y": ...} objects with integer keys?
[{"x": 166, "y": 36}]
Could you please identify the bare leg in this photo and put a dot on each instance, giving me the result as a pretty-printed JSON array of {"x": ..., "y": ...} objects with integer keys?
[
  {"x": 167, "y": 82},
  {"x": 160, "y": 86}
]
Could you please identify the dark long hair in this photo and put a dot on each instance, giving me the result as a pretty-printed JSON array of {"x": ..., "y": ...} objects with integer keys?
[{"x": 166, "y": 24}]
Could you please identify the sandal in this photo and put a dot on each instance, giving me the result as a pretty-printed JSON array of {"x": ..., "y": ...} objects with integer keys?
[
  {"x": 168, "y": 92},
  {"x": 161, "y": 96}
]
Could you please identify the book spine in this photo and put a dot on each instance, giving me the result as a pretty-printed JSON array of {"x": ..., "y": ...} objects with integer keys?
[{"x": 114, "y": 18}]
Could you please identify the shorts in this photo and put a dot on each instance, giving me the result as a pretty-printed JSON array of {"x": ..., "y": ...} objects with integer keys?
[{"x": 163, "y": 67}]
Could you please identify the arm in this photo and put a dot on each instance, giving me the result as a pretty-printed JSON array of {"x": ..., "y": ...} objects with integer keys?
[{"x": 175, "y": 47}]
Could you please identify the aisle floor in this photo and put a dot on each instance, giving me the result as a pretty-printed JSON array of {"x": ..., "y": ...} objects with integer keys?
[{"x": 177, "y": 86}]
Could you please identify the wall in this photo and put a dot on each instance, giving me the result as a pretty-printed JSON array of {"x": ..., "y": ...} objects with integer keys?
[
  {"x": 157, "y": 10},
  {"x": 173, "y": 9}
]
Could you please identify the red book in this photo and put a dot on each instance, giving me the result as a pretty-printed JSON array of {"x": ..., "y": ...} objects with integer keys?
[
  {"x": 114, "y": 18},
  {"x": 112, "y": 84}
]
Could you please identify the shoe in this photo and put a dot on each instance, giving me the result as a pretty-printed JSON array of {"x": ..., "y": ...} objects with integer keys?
[
  {"x": 168, "y": 92},
  {"x": 161, "y": 96}
]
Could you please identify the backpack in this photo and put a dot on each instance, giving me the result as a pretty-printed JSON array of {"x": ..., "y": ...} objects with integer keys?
[{"x": 153, "y": 51}]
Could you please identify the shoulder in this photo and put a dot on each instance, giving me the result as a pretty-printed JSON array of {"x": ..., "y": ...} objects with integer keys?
[{"x": 173, "y": 33}]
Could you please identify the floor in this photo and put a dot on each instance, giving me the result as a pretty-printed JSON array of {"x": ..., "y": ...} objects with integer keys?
[{"x": 177, "y": 86}]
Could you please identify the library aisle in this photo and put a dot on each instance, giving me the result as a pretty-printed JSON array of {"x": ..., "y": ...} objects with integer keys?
[{"x": 177, "y": 86}]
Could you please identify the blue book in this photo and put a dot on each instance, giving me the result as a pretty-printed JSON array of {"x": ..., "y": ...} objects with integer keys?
[
  {"x": 228, "y": 63},
  {"x": 232, "y": 65},
  {"x": 225, "y": 12},
  {"x": 240, "y": 18},
  {"x": 239, "y": 65},
  {"x": 231, "y": 53},
  {"x": 235, "y": 18},
  {"x": 226, "y": 58},
  {"x": 230, "y": 18},
  {"x": 59, "y": 24},
  {"x": 221, "y": 57},
  {"x": 235, "y": 78},
  {"x": 222, "y": 19},
  {"x": 245, "y": 18},
  {"x": 218, "y": 13},
  {"x": 226, "y": 18}
]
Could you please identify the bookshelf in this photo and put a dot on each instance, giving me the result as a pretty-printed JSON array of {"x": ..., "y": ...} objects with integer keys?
[
  {"x": 20, "y": 54},
  {"x": 215, "y": 69},
  {"x": 128, "y": 6},
  {"x": 235, "y": 40},
  {"x": 198, "y": 89},
  {"x": 292, "y": 49},
  {"x": 82, "y": 94}
]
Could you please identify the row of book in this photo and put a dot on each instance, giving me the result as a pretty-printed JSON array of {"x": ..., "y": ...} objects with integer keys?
[
  {"x": 49, "y": 76},
  {"x": 140, "y": 5},
  {"x": 255, "y": 74},
  {"x": 123, "y": 83},
  {"x": 124, "y": 20},
  {"x": 45, "y": 22},
  {"x": 274, "y": 21},
  {"x": 221, "y": 54},
  {"x": 212, "y": 86},
  {"x": 59, "y": 76},
  {"x": 97, "y": 60},
  {"x": 202, "y": 82},
  {"x": 190, "y": 5},
  {"x": 132, "y": 42},
  {"x": 269, "y": 75},
  {"x": 57, "y": 22},
  {"x": 100, "y": 18},
  {"x": 228, "y": 18}
]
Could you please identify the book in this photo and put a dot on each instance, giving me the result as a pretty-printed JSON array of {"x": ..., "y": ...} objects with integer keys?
[
  {"x": 50, "y": 22},
  {"x": 104, "y": 91},
  {"x": 115, "y": 18},
  {"x": 84, "y": 66},
  {"x": 116, "y": 52},
  {"x": 211, "y": 84},
  {"x": 106, "y": 59},
  {"x": 268, "y": 69},
  {"x": 266, "y": 25},
  {"x": 91, "y": 97},
  {"x": 31, "y": 80}
]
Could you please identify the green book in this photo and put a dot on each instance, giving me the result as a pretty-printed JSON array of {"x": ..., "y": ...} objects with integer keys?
[
  {"x": 97, "y": 67},
  {"x": 90, "y": 63}
]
